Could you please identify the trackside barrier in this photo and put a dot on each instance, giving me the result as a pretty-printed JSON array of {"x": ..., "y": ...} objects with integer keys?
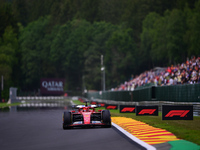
[
  {"x": 137, "y": 95},
  {"x": 175, "y": 93},
  {"x": 40, "y": 97},
  {"x": 179, "y": 93}
]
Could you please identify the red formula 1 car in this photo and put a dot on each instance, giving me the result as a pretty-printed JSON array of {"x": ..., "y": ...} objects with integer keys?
[{"x": 86, "y": 116}]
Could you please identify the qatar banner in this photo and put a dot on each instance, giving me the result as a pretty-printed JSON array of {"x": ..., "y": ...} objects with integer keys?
[
  {"x": 52, "y": 86},
  {"x": 146, "y": 110},
  {"x": 177, "y": 112}
]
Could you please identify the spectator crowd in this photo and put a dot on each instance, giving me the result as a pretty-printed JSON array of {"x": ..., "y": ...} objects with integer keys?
[{"x": 185, "y": 73}]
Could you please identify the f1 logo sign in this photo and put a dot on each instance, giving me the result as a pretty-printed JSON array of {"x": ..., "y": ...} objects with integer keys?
[
  {"x": 147, "y": 110},
  {"x": 93, "y": 103},
  {"x": 101, "y": 104},
  {"x": 127, "y": 108},
  {"x": 181, "y": 113},
  {"x": 108, "y": 106},
  {"x": 171, "y": 112},
  {"x": 111, "y": 107}
]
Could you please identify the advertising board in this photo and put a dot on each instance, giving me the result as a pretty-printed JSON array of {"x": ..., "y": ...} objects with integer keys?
[
  {"x": 52, "y": 86},
  {"x": 146, "y": 110},
  {"x": 177, "y": 112},
  {"x": 110, "y": 106},
  {"x": 127, "y": 108}
]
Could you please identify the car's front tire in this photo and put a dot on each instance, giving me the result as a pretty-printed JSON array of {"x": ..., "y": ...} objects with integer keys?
[
  {"x": 106, "y": 118},
  {"x": 66, "y": 120}
]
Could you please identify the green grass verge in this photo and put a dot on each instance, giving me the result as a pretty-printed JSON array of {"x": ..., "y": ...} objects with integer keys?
[
  {"x": 184, "y": 129},
  {"x": 2, "y": 105},
  {"x": 77, "y": 102}
]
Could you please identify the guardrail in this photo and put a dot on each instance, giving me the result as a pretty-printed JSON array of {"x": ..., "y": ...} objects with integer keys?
[{"x": 40, "y": 97}]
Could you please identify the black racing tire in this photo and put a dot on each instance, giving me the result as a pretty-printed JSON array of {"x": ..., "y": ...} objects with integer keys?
[
  {"x": 106, "y": 118},
  {"x": 66, "y": 120}
]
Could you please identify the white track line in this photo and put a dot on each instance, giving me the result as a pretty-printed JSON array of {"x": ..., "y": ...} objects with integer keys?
[{"x": 142, "y": 143}]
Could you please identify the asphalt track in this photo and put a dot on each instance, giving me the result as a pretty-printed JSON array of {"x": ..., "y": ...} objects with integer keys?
[{"x": 41, "y": 129}]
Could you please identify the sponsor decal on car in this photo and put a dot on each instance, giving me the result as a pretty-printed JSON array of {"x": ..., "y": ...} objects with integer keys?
[{"x": 78, "y": 122}]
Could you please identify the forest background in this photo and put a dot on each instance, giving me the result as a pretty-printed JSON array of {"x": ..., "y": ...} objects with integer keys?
[{"x": 66, "y": 38}]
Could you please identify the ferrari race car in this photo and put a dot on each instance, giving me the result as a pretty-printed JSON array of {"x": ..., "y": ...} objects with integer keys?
[{"x": 86, "y": 116}]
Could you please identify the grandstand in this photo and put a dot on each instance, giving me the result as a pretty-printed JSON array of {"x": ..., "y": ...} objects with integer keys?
[{"x": 185, "y": 73}]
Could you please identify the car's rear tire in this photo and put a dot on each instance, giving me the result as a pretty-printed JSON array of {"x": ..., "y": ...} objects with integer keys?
[
  {"x": 67, "y": 120},
  {"x": 106, "y": 118}
]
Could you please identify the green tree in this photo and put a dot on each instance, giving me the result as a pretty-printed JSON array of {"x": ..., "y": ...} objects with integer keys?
[
  {"x": 35, "y": 47},
  {"x": 159, "y": 51},
  {"x": 163, "y": 37},
  {"x": 122, "y": 55},
  {"x": 147, "y": 36},
  {"x": 111, "y": 11},
  {"x": 8, "y": 59},
  {"x": 193, "y": 34},
  {"x": 77, "y": 43},
  {"x": 21, "y": 10},
  {"x": 67, "y": 51},
  {"x": 176, "y": 29},
  {"x": 92, "y": 65},
  {"x": 58, "y": 50},
  {"x": 6, "y": 16},
  {"x": 101, "y": 32}
]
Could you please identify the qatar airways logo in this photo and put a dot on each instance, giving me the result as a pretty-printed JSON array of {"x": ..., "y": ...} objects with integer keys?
[{"x": 53, "y": 85}]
